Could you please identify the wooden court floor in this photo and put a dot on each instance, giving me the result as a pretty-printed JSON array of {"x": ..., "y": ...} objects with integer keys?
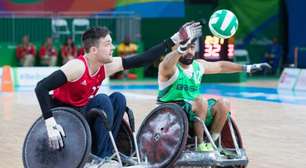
[{"x": 274, "y": 134}]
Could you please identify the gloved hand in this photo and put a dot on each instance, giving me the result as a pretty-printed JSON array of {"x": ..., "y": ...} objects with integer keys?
[
  {"x": 184, "y": 45},
  {"x": 256, "y": 67},
  {"x": 55, "y": 134},
  {"x": 189, "y": 30}
]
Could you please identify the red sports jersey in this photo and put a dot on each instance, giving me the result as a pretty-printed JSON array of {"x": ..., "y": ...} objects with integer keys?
[
  {"x": 69, "y": 51},
  {"x": 77, "y": 93},
  {"x": 23, "y": 50},
  {"x": 50, "y": 51}
]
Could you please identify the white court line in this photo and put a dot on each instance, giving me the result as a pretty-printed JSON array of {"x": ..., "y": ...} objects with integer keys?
[{"x": 139, "y": 96}]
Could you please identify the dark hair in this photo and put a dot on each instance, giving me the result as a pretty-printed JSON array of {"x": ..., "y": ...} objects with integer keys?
[{"x": 91, "y": 36}]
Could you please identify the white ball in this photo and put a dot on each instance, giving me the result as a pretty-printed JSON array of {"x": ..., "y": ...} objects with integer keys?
[{"x": 223, "y": 23}]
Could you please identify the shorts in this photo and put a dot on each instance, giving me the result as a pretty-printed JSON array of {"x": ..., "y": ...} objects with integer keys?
[{"x": 187, "y": 107}]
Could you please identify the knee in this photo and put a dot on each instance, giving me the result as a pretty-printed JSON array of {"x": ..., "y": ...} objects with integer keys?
[
  {"x": 103, "y": 102},
  {"x": 200, "y": 104},
  {"x": 117, "y": 95},
  {"x": 102, "y": 99},
  {"x": 118, "y": 98},
  {"x": 227, "y": 103},
  {"x": 223, "y": 102},
  {"x": 222, "y": 105}
]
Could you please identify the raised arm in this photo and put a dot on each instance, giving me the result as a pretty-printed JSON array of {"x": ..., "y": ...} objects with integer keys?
[
  {"x": 139, "y": 60},
  {"x": 186, "y": 32},
  {"x": 167, "y": 67}
]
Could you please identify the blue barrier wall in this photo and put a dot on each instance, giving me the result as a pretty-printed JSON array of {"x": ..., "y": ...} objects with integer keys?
[{"x": 296, "y": 29}]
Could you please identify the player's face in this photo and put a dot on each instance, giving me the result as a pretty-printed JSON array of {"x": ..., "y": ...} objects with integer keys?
[
  {"x": 105, "y": 50},
  {"x": 190, "y": 51},
  {"x": 187, "y": 58}
]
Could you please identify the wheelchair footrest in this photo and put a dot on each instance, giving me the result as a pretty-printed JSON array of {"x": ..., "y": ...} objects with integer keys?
[
  {"x": 192, "y": 158},
  {"x": 202, "y": 159},
  {"x": 241, "y": 160},
  {"x": 94, "y": 161}
]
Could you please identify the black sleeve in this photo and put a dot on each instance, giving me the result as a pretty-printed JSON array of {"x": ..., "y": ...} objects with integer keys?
[
  {"x": 53, "y": 81},
  {"x": 148, "y": 56}
]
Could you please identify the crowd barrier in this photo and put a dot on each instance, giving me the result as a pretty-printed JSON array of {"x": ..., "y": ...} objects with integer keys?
[
  {"x": 27, "y": 77},
  {"x": 293, "y": 79}
]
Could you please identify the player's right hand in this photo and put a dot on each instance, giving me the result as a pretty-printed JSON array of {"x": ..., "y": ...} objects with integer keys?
[
  {"x": 189, "y": 30},
  {"x": 55, "y": 134}
]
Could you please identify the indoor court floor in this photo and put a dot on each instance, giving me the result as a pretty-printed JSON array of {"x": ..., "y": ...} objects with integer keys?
[{"x": 272, "y": 124}]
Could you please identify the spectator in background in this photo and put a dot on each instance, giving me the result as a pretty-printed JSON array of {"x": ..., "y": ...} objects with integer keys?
[
  {"x": 126, "y": 48},
  {"x": 47, "y": 53},
  {"x": 81, "y": 51},
  {"x": 273, "y": 55},
  {"x": 25, "y": 52},
  {"x": 69, "y": 50}
]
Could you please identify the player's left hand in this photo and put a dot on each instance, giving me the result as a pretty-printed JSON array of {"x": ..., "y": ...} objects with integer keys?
[
  {"x": 184, "y": 45},
  {"x": 257, "y": 67},
  {"x": 189, "y": 30}
]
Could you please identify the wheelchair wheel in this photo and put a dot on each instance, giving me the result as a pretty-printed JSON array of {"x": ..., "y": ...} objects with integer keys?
[
  {"x": 163, "y": 134},
  {"x": 36, "y": 151},
  {"x": 124, "y": 139},
  {"x": 227, "y": 140}
]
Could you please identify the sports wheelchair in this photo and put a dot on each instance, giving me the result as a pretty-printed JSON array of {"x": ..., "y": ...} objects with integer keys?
[
  {"x": 78, "y": 143},
  {"x": 164, "y": 140}
]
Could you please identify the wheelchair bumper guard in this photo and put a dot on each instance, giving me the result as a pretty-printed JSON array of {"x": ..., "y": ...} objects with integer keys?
[
  {"x": 192, "y": 158},
  {"x": 200, "y": 159},
  {"x": 242, "y": 160}
]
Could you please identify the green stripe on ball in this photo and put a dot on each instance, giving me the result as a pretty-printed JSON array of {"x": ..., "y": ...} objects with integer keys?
[{"x": 223, "y": 24}]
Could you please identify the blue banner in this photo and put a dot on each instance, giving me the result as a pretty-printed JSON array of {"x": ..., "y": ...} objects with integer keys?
[
  {"x": 296, "y": 30},
  {"x": 154, "y": 8}
]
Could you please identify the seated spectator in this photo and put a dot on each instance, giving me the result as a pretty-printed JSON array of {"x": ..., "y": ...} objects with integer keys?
[
  {"x": 126, "y": 48},
  {"x": 273, "y": 55},
  {"x": 81, "y": 51},
  {"x": 25, "y": 52},
  {"x": 69, "y": 50},
  {"x": 47, "y": 53}
]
